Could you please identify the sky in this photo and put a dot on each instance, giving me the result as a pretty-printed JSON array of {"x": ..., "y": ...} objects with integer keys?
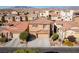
[{"x": 3, "y": 7}]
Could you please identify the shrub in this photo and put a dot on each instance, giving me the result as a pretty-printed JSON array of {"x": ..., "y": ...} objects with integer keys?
[
  {"x": 68, "y": 43},
  {"x": 24, "y": 35},
  {"x": 27, "y": 51},
  {"x": 55, "y": 37},
  {"x": 71, "y": 38},
  {"x": 2, "y": 40}
]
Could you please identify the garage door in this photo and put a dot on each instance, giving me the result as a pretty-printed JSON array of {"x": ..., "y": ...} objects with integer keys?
[{"x": 43, "y": 36}]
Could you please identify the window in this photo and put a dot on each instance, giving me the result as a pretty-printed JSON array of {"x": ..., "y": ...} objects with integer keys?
[
  {"x": 16, "y": 17},
  {"x": 34, "y": 25},
  {"x": 44, "y": 25},
  {"x": 8, "y": 17},
  {"x": 59, "y": 17}
]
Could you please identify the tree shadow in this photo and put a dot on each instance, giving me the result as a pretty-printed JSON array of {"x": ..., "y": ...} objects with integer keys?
[{"x": 31, "y": 37}]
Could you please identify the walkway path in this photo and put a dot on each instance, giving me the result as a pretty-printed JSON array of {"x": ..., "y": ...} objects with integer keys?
[
  {"x": 39, "y": 42},
  {"x": 13, "y": 43}
]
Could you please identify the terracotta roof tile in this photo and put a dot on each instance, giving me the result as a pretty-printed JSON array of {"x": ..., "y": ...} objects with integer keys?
[{"x": 41, "y": 21}]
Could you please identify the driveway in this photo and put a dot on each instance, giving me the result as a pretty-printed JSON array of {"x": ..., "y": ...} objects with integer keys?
[{"x": 39, "y": 42}]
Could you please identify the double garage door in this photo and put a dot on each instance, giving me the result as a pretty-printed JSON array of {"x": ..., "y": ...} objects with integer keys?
[{"x": 43, "y": 35}]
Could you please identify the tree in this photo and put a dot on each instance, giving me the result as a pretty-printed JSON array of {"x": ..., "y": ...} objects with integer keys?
[
  {"x": 51, "y": 11},
  {"x": 21, "y": 19},
  {"x": 26, "y": 18},
  {"x": 71, "y": 38},
  {"x": 13, "y": 18},
  {"x": 18, "y": 13},
  {"x": 24, "y": 36},
  {"x": 2, "y": 40},
  {"x": 55, "y": 36},
  {"x": 3, "y": 19},
  {"x": 26, "y": 13},
  {"x": 49, "y": 17}
]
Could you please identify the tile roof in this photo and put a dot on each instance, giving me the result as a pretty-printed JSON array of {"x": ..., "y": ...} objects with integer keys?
[
  {"x": 41, "y": 21},
  {"x": 18, "y": 27}
]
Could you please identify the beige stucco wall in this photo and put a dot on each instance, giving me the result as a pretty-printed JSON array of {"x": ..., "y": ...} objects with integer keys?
[
  {"x": 30, "y": 18},
  {"x": 39, "y": 27},
  {"x": 76, "y": 35},
  {"x": 8, "y": 18}
]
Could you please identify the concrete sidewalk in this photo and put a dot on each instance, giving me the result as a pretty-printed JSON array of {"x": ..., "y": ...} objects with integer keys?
[{"x": 39, "y": 42}]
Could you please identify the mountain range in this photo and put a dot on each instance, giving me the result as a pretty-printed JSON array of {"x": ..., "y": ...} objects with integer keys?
[{"x": 53, "y": 7}]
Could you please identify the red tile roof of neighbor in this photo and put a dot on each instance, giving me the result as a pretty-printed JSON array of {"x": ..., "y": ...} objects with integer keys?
[
  {"x": 41, "y": 21},
  {"x": 18, "y": 27}
]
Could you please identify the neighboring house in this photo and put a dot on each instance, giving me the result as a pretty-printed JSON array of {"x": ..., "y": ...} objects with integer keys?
[
  {"x": 44, "y": 13},
  {"x": 10, "y": 17},
  {"x": 16, "y": 17},
  {"x": 32, "y": 16},
  {"x": 14, "y": 30},
  {"x": 41, "y": 28},
  {"x": 55, "y": 16},
  {"x": 14, "y": 12},
  {"x": 66, "y": 15}
]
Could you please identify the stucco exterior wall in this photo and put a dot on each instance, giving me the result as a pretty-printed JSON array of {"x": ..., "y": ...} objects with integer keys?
[
  {"x": 39, "y": 27},
  {"x": 33, "y": 30}
]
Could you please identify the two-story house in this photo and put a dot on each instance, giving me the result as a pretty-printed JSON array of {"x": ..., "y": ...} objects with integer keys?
[
  {"x": 41, "y": 28},
  {"x": 66, "y": 15}
]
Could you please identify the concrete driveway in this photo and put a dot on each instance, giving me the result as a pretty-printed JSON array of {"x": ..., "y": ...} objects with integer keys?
[{"x": 39, "y": 42}]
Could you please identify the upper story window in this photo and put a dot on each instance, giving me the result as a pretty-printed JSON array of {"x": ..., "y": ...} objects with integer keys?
[
  {"x": 17, "y": 17},
  {"x": 8, "y": 17},
  {"x": 34, "y": 25},
  {"x": 44, "y": 26}
]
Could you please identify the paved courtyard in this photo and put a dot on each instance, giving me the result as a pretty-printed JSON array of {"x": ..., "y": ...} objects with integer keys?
[{"x": 39, "y": 42}]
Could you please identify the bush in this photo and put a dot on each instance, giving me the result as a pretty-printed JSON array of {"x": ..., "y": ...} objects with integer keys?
[
  {"x": 55, "y": 37},
  {"x": 27, "y": 51},
  {"x": 71, "y": 38},
  {"x": 68, "y": 43},
  {"x": 2, "y": 40},
  {"x": 24, "y": 35}
]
